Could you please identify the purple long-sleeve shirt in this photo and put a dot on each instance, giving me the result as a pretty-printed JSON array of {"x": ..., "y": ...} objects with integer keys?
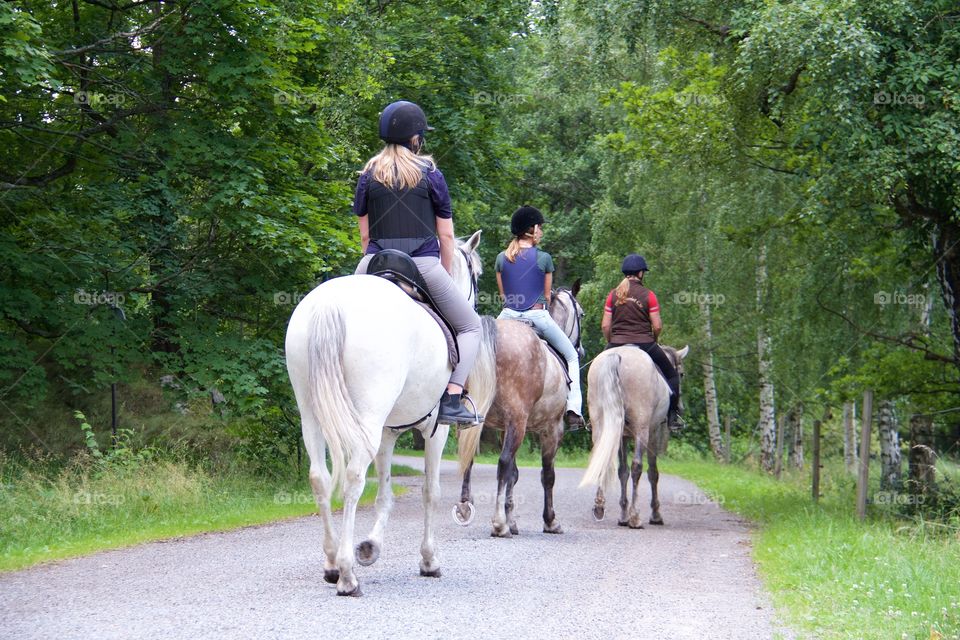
[{"x": 439, "y": 197}]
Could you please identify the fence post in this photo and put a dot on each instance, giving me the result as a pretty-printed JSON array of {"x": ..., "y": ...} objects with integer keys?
[
  {"x": 816, "y": 460},
  {"x": 863, "y": 477},
  {"x": 726, "y": 434}
]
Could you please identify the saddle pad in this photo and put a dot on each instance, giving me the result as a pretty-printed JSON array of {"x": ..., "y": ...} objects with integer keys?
[{"x": 452, "y": 350}]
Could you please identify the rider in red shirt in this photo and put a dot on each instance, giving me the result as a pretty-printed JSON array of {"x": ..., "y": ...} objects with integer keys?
[{"x": 632, "y": 316}]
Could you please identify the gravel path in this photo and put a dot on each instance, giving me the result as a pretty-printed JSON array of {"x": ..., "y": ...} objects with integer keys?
[{"x": 692, "y": 578}]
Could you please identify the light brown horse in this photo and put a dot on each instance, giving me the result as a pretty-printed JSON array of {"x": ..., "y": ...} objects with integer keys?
[
  {"x": 628, "y": 400},
  {"x": 529, "y": 394}
]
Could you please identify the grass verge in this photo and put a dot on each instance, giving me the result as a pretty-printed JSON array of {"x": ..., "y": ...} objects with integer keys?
[
  {"x": 831, "y": 575},
  {"x": 49, "y": 513}
]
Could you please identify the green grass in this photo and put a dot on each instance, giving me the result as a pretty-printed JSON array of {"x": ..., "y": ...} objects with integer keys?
[
  {"x": 49, "y": 513},
  {"x": 831, "y": 575}
]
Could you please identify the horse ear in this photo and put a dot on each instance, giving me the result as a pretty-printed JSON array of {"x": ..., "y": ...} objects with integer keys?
[
  {"x": 474, "y": 241},
  {"x": 683, "y": 352},
  {"x": 576, "y": 288}
]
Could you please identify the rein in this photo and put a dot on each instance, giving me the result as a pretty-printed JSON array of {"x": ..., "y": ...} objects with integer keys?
[{"x": 474, "y": 285}]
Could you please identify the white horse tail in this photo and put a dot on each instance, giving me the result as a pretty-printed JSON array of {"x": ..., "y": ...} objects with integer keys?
[
  {"x": 607, "y": 415},
  {"x": 482, "y": 386},
  {"x": 336, "y": 414}
]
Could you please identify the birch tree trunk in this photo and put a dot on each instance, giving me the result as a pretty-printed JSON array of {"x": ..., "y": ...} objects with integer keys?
[
  {"x": 768, "y": 424},
  {"x": 890, "y": 473},
  {"x": 795, "y": 438},
  {"x": 849, "y": 439},
  {"x": 922, "y": 456},
  {"x": 709, "y": 386}
]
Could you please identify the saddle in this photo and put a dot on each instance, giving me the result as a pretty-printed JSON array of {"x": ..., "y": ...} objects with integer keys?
[
  {"x": 399, "y": 268},
  {"x": 550, "y": 349}
]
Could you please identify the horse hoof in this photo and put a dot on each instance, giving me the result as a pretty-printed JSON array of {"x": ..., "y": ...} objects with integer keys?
[
  {"x": 623, "y": 523},
  {"x": 554, "y": 529},
  {"x": 656, "y": 521},
  {"x": 353, "y": 593},
  {"x": 331, "y": 575},
  {"x": 501, "y": 533},
  {"x": 514, "y": 529},
  {"x": 634, "y": 523},
  {"x": 430, "y": 574},
  {"x": 367, "y": 553},
  {"x": 598, "y": 514},
  {"x": 463, "y": 513}
]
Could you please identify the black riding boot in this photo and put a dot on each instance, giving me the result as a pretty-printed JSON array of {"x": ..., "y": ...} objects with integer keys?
[
  {"x": 452, "y": 411},
  {"x": 673, "y": 413}
]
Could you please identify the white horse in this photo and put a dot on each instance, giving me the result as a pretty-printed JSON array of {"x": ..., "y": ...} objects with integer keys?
[
  {"x": 362, "y": 356},
  {"x": 628, "y": 400}
]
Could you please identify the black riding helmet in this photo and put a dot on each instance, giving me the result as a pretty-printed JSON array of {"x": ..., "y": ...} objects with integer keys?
[
  {"x": 402, "y": 120},
  {"x": 524, "y": 218},
  {"x": 633, "y": 264}
]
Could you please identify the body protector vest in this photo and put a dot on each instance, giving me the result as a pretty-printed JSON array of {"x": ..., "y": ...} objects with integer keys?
[
  {"x": 631, "y": 320},
  {"x": 400, "y": 219}
]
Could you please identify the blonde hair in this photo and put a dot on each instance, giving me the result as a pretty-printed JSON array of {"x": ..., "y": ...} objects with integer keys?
[
  {"x": 514, "y": 248},
  {"x": 396, "y": 167},
  {"x": 623, "y": 289}
]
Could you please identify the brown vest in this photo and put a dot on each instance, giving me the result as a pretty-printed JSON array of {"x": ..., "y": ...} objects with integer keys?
[{"x": 631, "y": 320}]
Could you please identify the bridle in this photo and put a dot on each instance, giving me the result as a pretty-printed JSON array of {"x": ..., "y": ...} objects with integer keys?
[
  {"x": 576, "y": 316},
  {"x": 474, "y": 285}
]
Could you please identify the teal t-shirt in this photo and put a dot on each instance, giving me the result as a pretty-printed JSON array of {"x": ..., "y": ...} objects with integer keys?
[{"x": 523, "y": 279}]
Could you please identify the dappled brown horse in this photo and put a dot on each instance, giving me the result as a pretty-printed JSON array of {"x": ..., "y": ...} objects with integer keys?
[
  {"x": 520, "y": 386},
  {"x": 628, "y": 401}
]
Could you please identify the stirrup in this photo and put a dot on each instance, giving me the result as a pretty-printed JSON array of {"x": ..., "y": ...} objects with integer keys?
[{"x": 678, "y": 424}]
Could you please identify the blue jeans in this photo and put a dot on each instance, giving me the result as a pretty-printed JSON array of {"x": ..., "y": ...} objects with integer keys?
[{"x": 553, "y": 334}]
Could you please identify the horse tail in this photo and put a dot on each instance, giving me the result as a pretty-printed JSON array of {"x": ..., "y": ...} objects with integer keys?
[
  {"x": 607, "y": 415},
  {"x": 329, "y": 400},
  {"x": 483, "y": 387}
]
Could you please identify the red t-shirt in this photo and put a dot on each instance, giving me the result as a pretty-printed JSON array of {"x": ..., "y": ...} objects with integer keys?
[{"x": 652, "y": 301}]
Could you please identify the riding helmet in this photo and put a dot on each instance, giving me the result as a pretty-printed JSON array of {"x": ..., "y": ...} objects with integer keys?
[
  {"x": 633, "y": 263},
  {"x": 402, "y": 120},
  {"x": 524, "y": 218}
]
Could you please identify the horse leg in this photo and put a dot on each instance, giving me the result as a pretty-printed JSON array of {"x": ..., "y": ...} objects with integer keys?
[
  {"x": 356, "y": 473},
  {"x": 623, "y": 472},
  {"x": 548, "y": 476},
  {"x": 511, "y": 518},
  {"x": 599, "y": 504},
  {"x": 321, "y": 483},
  {"x": 504, "y": 474},
  {"x": 635, "y": 472},
  {"x": 429, "y": 563},
  {"x": 653, "y": 475},
  {"x": 464, "y": 510},
  {"x": 369, "y": 550}
]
